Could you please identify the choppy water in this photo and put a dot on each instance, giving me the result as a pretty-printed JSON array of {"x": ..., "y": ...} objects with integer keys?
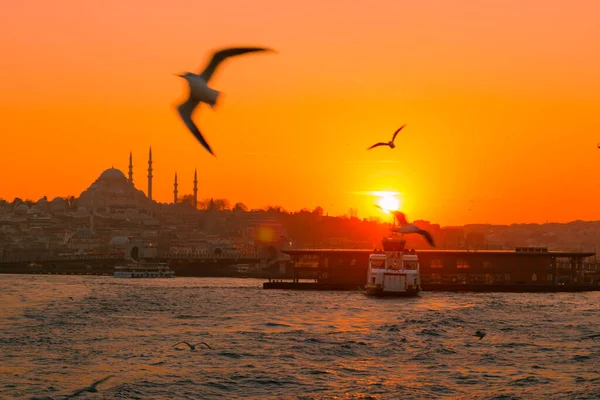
[{"x": 288, "y": 344}]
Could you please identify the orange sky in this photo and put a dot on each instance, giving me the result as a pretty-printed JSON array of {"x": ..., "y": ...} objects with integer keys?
[{"x": 500, "y": 98}]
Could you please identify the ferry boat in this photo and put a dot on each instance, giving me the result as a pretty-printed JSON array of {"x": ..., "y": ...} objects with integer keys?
[
  {"x": 393, "y": 271},
  {"x": 144, "y": 270}
]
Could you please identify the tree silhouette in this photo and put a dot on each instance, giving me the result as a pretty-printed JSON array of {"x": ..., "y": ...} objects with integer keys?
[
  {"x": 240, "y": 207},
  {"x": 221, "y": 204},
  {"x": 186, "y": 199}
]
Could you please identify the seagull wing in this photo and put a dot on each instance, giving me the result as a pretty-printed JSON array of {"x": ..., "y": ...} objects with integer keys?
[
  {"x": 76, "y": 393},
  {"x": 90, "y": 389},
  {"x": 219, "y": 56},
  {"x": 427, "y": 236},
  {"x": 100, "y": 381},
  {"x": 206, "y": 344},
  {"x": 408, "y": 228},
  {"x": 182, "y": 343},
  {"x": 185, "y": 111},
  {"x": 396, "y": 133},
  {"x": 378, "y": 144},
  {"x": 400, "y": 217}
]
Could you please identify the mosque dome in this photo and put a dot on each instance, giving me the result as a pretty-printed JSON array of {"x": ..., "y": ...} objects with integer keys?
[
  {"x": 58, "y": 204},
  {"x": 112, "y": 174},
  {"x": 113, "y": 192}
]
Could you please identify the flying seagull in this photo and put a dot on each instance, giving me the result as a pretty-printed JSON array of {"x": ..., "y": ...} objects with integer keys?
[
  {"x": 592, "y": 336},
  {"x": 390, "y": 143},
  {"x": 201, "y": 93},
  {"x": 480, "y": 334},
  {"x": 91, "y": 389},
  {"x": 406, "y": 227},
  {"x": 192, "y": 346}
]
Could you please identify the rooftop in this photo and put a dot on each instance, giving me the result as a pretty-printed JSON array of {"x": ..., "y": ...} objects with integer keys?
[{"x": 535, "y": 252}]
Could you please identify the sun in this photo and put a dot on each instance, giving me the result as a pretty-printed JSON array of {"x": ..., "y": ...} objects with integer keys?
[{"x": 388, "y": 202}]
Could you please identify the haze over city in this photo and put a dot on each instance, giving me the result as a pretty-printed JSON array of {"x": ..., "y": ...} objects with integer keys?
[
  {"x": 212, "y": 199},
  {"x": 499, "y": 100}
]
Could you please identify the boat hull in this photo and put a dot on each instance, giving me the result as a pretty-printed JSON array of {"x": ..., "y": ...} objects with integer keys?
[
  {"x": 142, "y": 275},
  {"x": 378, "y": 291}
]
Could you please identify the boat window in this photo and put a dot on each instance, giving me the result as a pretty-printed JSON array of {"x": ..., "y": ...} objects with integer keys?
[
  {"x": 462, "y": 264},
  {"x": 377, "y": 263},
  {"x": 410, "y": 265},
  {"x": 436, "y": 263}
]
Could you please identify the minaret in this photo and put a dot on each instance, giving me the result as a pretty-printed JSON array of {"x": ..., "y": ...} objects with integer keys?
[
  {"x": 130, "y": 168},
  {"x": 175, "y": 190},
  {"x": 195, "y": 189},
  {"x": 150, "y": 175}
]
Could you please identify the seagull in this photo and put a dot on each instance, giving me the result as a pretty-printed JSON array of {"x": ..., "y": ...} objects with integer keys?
[
  {"x": 192, "y": 346},
  {"x": 406, "y": 227},
  {"x": 480, "y": 334},
  {"x": 592, "y": 336},
  {"x": 91, "y": 389},
  {"x": 71, "y": 298},
  {"x": 201, "y": 93},
  {"x": 390, "y": 143}
]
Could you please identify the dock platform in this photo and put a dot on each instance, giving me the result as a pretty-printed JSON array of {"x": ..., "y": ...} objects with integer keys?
[
  {"x": 481, "y": 288},
  {"x": 508, "y": 288},
  {"x": 310, "y": 286}
]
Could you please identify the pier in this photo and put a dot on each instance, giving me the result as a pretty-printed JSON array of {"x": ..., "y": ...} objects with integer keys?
[
  {"x": 523, "y": 269},
  {"x": 184, "y": 264}
]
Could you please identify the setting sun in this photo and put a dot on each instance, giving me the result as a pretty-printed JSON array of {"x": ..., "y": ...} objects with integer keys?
[{"x": 388, "y": 201}]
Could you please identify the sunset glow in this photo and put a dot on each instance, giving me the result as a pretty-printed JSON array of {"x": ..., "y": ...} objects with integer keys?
[
  {"x": 475, "y": 97},
  {"x": 388, "y": 201}
]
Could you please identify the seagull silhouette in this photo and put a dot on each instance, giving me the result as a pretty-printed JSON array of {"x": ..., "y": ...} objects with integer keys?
[
  {"x": 71, "y": 298},
  {"x": 592, "y": 336},
  {"x": 91, "y": 389},
  {"x": 480, "y": 334},
  {"x": 406, "y": 227},
  {"x": 192, "y": 346},
  {"x": 390, "y": 143},
  {"x": 199, "y": 92}
]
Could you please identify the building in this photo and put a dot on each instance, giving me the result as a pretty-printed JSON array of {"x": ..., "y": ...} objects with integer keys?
[
  {"x": 524, "y": 268},
  {"x": 111, "y": 192}
]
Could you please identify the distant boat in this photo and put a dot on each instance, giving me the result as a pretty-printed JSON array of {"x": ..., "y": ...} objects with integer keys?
[
  {"x": 144, "y": 270},
  {"x": 393, "y": 271}
]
